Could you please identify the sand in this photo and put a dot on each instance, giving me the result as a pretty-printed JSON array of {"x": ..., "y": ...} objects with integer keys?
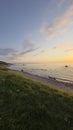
[{"x": 51, "y": 81}]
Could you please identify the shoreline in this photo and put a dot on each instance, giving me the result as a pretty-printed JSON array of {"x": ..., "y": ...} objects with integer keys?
[{"x": 51, "y": 81}]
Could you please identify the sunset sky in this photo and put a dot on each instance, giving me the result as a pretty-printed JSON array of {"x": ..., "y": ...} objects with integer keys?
[{"x": 36, "y": 30}]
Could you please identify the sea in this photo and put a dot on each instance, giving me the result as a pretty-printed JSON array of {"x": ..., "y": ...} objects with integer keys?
[{"x": 60, "y": 71}]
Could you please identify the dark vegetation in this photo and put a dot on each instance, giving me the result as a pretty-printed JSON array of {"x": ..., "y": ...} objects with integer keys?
[
  {"x": 30, "y": 105},
  {"x": 4, "y": 63}
]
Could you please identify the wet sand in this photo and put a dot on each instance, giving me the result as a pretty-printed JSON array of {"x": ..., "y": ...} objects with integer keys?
[{"x": 52, "y": 81}]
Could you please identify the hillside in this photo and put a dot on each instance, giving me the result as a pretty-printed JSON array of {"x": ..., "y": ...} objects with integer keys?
[
  {"x": 4, "y": 63},
  {"x": 26, "y": 104}
]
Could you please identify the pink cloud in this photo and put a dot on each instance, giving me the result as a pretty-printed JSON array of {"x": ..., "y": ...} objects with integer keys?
[{"x": 59, "y": 25}]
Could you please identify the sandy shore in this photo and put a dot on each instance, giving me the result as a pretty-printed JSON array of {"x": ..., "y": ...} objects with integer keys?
[{"x": 50, "y": 80}]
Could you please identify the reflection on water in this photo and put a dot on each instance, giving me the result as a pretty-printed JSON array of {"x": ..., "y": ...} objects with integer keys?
[{"x": 57, "y": 70}]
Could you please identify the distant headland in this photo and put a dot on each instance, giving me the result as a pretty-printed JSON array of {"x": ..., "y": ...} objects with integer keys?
[{"x": 5, "y": 63}]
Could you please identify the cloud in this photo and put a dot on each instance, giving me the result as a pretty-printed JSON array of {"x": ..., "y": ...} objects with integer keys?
[
  {"x": 59, "y": 25},
  {"x": 28, "y": 46},
  {"x": 50, "y": 36},
  {"x": 28, "y": 51},
  {"x": 28, "y": 43},
  {"x": 69, "y": 50},
  {"x": 7, "y": 51},
  {"x": 62, "y": 2},
  {"x": 41, "y": 52},
  {"x": 21, "y": 54},
  {"x": 64, "y": 45}
]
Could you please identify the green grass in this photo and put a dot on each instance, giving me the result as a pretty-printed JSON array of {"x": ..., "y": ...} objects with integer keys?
[{"x": 30, "y": 105}]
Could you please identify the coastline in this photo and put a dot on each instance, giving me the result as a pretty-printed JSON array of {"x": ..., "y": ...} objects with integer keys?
[{"x": 51, "y": 81}]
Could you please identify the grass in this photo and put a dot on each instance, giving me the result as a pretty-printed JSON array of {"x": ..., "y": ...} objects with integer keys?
[{"x": 30, "y": 105}]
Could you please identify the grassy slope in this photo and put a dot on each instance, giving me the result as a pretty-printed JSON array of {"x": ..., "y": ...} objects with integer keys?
[{"x": 31, "y": 105}]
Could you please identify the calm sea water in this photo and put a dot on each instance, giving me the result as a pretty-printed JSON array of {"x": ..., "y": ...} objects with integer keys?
[{"x": 57, "y": 70}]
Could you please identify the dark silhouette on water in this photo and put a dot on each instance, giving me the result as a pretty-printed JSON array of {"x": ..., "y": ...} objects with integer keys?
[
  {"x": 51, "y": 77},
  {"x": 22, "y": 70},
  {"x": 66, "y": 66}
]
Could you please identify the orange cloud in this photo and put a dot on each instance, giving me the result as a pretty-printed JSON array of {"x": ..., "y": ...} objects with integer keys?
[
  {"x": 64, "y": 45},
  {"x": 69, "y": 50}
]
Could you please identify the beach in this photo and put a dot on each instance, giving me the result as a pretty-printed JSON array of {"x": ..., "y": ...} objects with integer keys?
[{"x": 51, "y": 81}]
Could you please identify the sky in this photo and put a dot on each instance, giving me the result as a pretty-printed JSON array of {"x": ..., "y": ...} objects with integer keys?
[{"x": 36, "y": 30}]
